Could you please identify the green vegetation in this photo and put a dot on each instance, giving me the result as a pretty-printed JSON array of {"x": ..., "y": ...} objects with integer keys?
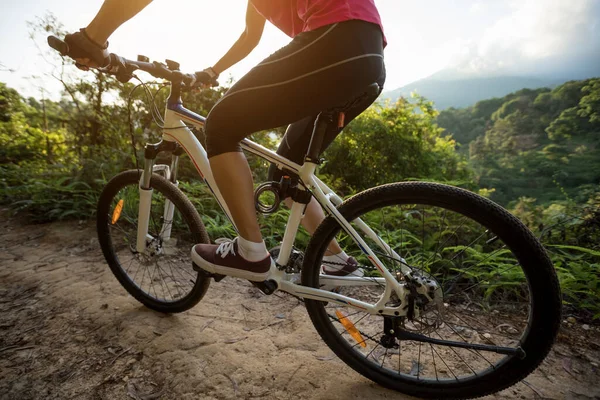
[
  {"x": 393, "y": 142},
  {"x": 537, "y": 152},
  {"x": 536, "y": 143}
]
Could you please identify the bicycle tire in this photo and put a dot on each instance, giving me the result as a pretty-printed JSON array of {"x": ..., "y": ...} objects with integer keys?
[
  {"x": 130, "y": 179},
  {"x": 540, "y": 274}
]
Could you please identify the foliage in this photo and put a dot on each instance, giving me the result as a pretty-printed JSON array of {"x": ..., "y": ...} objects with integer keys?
[
  {"x": 392, "y": 143},
  {"x": 537, "y": 151},
  {"x": 47, "y": 193},
  {"x": 571, "y": 234},
  {"x": 538, "y": 143}
]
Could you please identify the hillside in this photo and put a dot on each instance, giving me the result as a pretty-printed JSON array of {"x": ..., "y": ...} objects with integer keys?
[
  {"x": 465, "y": 91},
  {"x": 542, "y": 143}
]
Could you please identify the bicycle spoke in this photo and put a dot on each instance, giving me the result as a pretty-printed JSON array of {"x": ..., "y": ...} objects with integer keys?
[
  {"x": 434, "y": 366},
  {"x": 383, "y": 360},
  {"x": 477, "y": 284},
  {"x": 476, "y": 310},
  {"x": 447, "y": 367},
  {"x": 400, "y": 357},
  {"x": 474, "y": 329},
  {"x": 466, "y": 341},
  {"x": 389, "y": 240},
  {"x": 458, "y": 355},
  {"x": 419, "y": 362},
  {"x": 438, "y": 246},
  {"x": 163, "y": 282},
  {"x": 180, "y": 271},
  {"x": 401, "y": 228},
  {"x": 422, "y": 239},
  {"x": 158, "y": 271}
]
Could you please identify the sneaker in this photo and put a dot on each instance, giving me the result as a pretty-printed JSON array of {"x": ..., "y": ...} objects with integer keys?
[
  {"x": 225, "y": 259},
  {"x": 350, "y": 269}
]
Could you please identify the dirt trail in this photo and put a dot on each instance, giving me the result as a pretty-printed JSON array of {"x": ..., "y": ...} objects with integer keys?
[{"x": 69, "y": 331}]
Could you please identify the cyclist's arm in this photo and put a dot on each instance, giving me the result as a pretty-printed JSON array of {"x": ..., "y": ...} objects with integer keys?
[
  {"x": 112, "y": 14},
  {"x": 255, "y": 24}
]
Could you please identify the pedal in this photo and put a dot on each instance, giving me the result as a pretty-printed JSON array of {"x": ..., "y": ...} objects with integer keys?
[
  {"x": 206, "y": 274},
  {"x": 267, "y": 287}
]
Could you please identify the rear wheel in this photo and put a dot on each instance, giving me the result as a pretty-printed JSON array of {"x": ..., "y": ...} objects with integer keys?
[
  {"x": 161, "y": 278},
  {"x": 493, "y": 287}
]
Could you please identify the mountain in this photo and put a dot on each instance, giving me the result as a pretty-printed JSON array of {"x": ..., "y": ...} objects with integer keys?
[
  {"x": 447, "y": 89},
  {"x": 463, "y": 86}
]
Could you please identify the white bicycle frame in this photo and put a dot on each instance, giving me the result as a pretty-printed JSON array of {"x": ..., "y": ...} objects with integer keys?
[{"x": 176, "y": 122}]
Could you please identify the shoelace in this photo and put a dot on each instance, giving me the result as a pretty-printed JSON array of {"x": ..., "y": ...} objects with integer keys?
[{"x": 225, "y": 247}]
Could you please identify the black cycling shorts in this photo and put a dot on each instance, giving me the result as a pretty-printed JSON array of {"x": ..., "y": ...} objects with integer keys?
[{"x": 318, "y": 70}]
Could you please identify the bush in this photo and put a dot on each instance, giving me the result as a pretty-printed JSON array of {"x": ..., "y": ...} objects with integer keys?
[{"x": 51, "y": 192}]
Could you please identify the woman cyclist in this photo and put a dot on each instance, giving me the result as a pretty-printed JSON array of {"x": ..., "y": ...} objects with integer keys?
[{"x": 335, "y": 53}]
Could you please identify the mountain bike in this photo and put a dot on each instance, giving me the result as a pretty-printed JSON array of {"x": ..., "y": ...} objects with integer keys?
[{"x": 458, "y": 298}]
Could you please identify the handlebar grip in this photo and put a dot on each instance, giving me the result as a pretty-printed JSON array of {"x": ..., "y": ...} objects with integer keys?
[{"x": 58, "y": 45}]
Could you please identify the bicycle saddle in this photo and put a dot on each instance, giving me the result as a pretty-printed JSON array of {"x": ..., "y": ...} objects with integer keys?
[{"x": 368, "y": 95}]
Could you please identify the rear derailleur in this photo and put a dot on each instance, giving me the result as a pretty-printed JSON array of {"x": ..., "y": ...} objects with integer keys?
[{"x": 422, "y": 293}]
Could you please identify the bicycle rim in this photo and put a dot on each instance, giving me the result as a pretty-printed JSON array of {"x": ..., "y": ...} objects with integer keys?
[
  {"x": 162, "y": 276},
  {"x": 485, "y": 295}
]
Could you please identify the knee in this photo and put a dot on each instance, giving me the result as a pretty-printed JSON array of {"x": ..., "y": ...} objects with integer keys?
[{"x": 220, "y": 137}]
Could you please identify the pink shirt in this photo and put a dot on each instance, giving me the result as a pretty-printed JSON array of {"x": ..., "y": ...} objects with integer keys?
[{"x": 296, "y": 16}]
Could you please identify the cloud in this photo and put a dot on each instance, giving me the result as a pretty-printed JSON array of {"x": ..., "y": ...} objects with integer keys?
[
  {"x": 533, "y": 31},
  {"x": 478, "y": 7}
]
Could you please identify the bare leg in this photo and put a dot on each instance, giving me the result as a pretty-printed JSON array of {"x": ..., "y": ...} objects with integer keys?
[
  {"x": 111, "y": 15},
  {"x": 234, "y": 179},
  {"x": 313, "y": 216}
]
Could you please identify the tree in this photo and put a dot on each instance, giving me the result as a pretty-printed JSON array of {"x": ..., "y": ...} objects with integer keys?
[
  {"x": 10, "y": 102},
  {"x": 396, "y": 142},
  {"x": 589, "y": 106}
]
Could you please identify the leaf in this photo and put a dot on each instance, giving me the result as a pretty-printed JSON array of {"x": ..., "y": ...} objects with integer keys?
[
  {"x": 67, "y": 213},
  {"x": 581, "y": 249}
]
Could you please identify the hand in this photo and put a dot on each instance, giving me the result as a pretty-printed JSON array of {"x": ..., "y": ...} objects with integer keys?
[
  {"x": 206, "y": 78},
  {"x": 86, "y": 52}
]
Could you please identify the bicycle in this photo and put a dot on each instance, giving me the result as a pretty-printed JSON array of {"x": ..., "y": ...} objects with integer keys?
[{"x": 427, "y": 308}]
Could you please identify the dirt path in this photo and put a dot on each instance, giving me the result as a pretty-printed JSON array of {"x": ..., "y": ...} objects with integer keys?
[{"x": 69, "y": 331}]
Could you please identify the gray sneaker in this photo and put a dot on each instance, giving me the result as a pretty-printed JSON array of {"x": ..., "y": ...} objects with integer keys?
[
  {"x": 351, "y": 268},
  {"x": 225, "y": 259}
]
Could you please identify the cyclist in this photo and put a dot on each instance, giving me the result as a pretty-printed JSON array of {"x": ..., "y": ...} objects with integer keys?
[{"x": 336, "y": 52}]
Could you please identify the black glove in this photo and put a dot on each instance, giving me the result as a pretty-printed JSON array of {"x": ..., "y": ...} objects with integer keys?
[
  {"x": 81, "y": 46},
  {"x": 207, "y": 77}
]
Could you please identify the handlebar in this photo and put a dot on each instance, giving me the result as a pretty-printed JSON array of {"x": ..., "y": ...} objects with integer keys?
[{"x": 123, "y": 68}]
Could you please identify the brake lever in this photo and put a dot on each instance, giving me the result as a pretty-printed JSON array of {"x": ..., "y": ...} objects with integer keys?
[{"x": 118, "y": 68}]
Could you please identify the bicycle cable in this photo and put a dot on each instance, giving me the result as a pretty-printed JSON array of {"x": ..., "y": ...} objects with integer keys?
[
  {"x": 151, "y": 99},
  {"x": 130, "y": 123}
]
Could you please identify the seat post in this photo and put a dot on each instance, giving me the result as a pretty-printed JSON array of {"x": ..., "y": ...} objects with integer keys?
[{"x": 324, "y": 120}]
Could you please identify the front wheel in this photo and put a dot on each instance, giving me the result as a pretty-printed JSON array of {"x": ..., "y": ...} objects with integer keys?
[
  {"x": 492, "y": 286},
  {"x": 162, "y": 277}
]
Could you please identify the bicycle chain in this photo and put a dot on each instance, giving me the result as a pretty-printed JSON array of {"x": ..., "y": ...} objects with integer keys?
[{"x": 368, "y": 268}]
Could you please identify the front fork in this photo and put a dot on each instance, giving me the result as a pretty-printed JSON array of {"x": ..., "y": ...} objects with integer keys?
[{"x": 145, "y": 190}]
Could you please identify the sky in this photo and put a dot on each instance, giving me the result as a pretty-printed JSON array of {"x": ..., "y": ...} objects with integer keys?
[{"x": 474, "y": 37}]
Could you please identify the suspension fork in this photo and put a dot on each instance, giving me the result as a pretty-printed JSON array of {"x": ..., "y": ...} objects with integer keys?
[
  {"x": 146, "y": 191},
  {"x": 169, "y": 206},
  {"x": 145, "y": 204}
]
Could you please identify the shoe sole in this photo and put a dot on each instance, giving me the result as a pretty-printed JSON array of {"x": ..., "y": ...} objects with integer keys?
[
  {"x": 336, "y": 289},
  {"x": 235, "y": 272}
]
